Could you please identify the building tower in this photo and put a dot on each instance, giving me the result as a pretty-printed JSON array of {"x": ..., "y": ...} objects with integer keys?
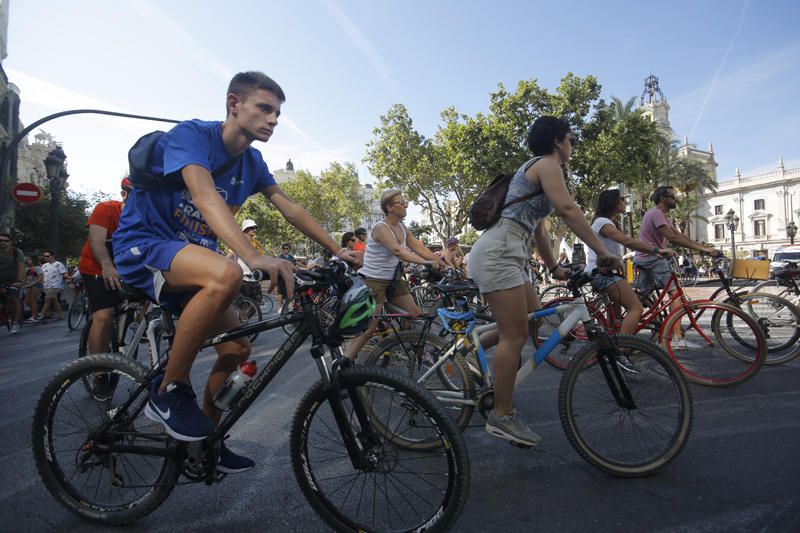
[{"x": 654, "y": 105}]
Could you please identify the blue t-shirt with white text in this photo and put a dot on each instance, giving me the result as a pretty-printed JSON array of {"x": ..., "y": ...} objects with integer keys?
[{"x": 171, "y": 214}]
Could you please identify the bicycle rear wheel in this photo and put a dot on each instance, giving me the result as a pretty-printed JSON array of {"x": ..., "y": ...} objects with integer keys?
[
  {"x": 710, "y": 354},
  {"x": 72, "y": 451},
  {"x": 248, "y": 312},
  {"x": 395, "y": 488},
  {"x": 628, "y": 440},
  {"x": 411, "y": 355}
]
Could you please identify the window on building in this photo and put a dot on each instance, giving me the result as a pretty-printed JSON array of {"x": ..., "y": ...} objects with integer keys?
[
  {"x": 719, "y": 231},
  {"x": 759, "y": 227},
  {"x": 758, "y": 205},
  {"x": 717, "y": 209}
]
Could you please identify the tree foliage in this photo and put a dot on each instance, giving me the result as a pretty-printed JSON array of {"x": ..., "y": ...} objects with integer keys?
[
  {"x": 334, "y": 199},
  {"x": 446, "y": 172},
  {"x": 33, "y": 224}
]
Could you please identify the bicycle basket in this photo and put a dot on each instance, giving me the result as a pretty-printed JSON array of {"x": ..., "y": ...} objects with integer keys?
[{"x": 749, "y": 269}]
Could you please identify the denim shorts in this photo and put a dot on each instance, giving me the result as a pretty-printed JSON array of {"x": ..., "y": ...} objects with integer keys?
[
  {"x": 499, "y": 260},
  {"x": 654, "y": 273},
  {"x": 601, "y": 282}
]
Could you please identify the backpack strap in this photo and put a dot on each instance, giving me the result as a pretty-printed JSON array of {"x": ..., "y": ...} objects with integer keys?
[
  {"x": 528, "y": 196},
  {"x": 226, "y": 167}
]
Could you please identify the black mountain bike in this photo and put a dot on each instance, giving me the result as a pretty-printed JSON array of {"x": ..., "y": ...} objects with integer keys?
[{"x": 353, "y": 443}]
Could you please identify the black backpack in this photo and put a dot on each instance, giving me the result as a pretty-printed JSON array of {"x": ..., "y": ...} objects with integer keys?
[
  {"x": 485, "y": 211},
  {"x": 139, "y": 166}
]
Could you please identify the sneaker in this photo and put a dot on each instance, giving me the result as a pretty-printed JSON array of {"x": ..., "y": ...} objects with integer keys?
[
  {"x": 176, "y": 409},
  {"x": 683, "y": 344},
  {"x": 624, "y": 362},
  {"x": 32, "y": 320},
  {"x": 14, "y": 329},
  {"x": 103, "y": 387},
  {"x": 230, "y": 463},
  {"x": 39, "y": 317},
  {"x": 511, "y": 428}
]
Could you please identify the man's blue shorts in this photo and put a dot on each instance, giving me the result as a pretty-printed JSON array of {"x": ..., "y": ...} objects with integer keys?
[{"x": 143, "y": 266}]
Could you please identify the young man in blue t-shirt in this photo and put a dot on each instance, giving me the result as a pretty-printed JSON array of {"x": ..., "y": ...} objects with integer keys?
[{"x": 166, "y": 241}]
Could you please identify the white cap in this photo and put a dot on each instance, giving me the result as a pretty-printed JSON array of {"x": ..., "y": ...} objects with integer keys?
[{"x": 248, "y": 223}]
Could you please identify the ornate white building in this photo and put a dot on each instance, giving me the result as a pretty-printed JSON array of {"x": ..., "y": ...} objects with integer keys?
[
  {"x": 765, "y": 204},
  {"x": 375, "y": 214}
]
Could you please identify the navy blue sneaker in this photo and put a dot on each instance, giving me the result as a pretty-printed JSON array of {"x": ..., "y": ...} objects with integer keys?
[
  {"x": 230, "y": 463},
  {"x": 176, "y": 409}
]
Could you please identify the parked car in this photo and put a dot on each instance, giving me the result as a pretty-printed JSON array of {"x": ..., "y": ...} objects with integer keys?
[{"x": 785, "y": 258}]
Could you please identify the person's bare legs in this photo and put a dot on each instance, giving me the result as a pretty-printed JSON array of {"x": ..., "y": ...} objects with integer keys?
[
  {"x": 100, "y": 330},
  {"x": 32, "y": 301},
  {"x": 490, "y": 338},
  {"x": 622, "y": 294},
  {"x": 217, "y": 280},
  {"x": 229, "y": 355},
  {"x": 509, "y": 308}
]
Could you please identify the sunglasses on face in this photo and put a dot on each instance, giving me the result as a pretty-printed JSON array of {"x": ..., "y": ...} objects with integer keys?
[
  {"x": 5, "y": 240},
  {"x": 404, "y": 203}
]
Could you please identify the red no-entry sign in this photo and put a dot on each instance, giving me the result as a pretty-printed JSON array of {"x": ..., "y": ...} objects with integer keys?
[{"x": 26, "y": 193}]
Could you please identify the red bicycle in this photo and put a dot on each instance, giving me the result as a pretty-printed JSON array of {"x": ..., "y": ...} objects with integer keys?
[{"x": 705, "y": 338}]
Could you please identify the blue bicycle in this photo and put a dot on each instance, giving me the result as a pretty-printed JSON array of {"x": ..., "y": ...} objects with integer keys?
[{"x": 626, "y": 421}]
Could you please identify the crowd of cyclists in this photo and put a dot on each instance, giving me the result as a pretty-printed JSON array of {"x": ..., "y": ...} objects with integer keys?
[{"x": 163, "y": 243}]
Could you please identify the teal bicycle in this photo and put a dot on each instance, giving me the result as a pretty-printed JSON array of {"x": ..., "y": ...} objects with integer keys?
[{"x": 626, "y": 423}]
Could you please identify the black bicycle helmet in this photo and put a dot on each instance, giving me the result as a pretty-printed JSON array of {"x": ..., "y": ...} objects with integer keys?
[{"x": 356, "y": 307}]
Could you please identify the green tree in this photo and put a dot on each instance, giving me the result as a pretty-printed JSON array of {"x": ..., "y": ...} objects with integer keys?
[
  {"x": 333, "y": 199},
  {"x": 32, "y": 229}
]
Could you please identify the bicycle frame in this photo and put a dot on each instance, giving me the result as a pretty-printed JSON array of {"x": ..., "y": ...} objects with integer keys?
[
  {"x": 577, "y": 312},
  {"x": 308, "y": 325}
]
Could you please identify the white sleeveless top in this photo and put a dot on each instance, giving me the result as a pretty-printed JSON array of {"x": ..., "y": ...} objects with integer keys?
[{"x": 379, "y": 262}]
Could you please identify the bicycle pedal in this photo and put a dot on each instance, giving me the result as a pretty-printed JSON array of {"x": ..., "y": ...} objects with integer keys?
[{"x": 518, "y": 445}]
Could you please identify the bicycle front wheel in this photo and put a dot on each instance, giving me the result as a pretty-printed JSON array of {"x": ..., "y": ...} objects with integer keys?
[
  {"x": 394, "y": 487},
  {"x": 73, "y": 442},
  {"x": 628, "y": 423},
  {"x": 411, "y": 355},
  {"x": 710, "y": 354}
]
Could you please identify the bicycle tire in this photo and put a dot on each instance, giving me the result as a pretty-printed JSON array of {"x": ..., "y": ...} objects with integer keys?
[
  {"x": 83, "y": 351},
  {"x": 714, "y": 357},
  {"x": 554, "y": 292},
  {"x": 777, "y": 287},
  {"x": 267, "y": 304},
  {"x": 247, "y": 311},
  {"x": 612, "y": 437},
  {"x": 778, "y": 318},
  {"x": 287, "y": 307},
  {"x": 452, "y": 376},
  {"x": 71, "y": 490},
  {"x": 76, "y": 312},
  {"x": 420, "y": 500}
]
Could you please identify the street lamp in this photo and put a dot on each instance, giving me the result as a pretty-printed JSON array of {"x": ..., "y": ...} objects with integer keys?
[
  {"x": 57, "y": 175},
  {"x": 791, "y": 231},
  {"x": 732, "y": 221}
]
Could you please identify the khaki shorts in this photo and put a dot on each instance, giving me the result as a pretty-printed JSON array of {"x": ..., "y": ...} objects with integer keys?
[
  {"x": 499, "y": 259},
  {"x": 386, "y": 287},
  {"x": 52, "y": 293}
]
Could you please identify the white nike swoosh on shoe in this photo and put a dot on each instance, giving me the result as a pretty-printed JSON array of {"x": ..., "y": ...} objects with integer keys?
[{"x": 162, "y": 414}]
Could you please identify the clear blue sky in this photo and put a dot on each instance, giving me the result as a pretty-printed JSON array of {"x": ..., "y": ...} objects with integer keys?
[{"x": 729, "y": 69}]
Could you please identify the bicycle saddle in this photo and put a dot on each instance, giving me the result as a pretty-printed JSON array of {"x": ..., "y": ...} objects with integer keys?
[{"x": 131, "y": 293}]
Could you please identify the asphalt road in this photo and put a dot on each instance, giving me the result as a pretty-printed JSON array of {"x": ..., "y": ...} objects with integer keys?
[{"x": 740, "y": 470}]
